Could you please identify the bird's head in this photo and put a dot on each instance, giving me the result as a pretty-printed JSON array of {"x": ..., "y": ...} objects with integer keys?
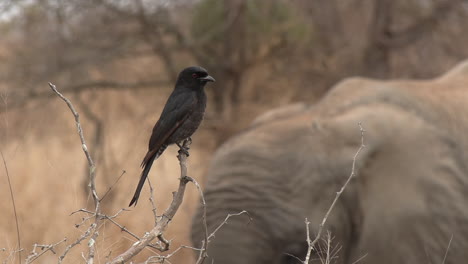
[{"x": 194, "y": 77}]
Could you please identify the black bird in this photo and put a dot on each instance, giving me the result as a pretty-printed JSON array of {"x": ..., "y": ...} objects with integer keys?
[{"x": 179, "y": 119}]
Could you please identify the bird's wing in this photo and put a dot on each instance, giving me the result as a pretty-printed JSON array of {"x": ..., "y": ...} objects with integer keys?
[{"x": 172, "y": 117}]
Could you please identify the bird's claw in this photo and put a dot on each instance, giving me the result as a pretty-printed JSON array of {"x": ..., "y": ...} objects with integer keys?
[{"x": 183, "y": 149}]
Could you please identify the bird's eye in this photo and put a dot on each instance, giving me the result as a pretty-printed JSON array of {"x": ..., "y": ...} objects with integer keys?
[{"x": 194, "y": 75}]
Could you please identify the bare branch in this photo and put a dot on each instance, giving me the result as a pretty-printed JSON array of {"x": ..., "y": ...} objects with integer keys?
[
  {"x": 34, "y": 255},
  {"x": 164, "y": 220},
  {"x": 92, "y": 230},
  {"x": 85, "y": 235},
  {"x": 84, "y": 219},
  {"x": 225, "y": 222},
  {"x": 122, "y": 228},
  {"x": 165, "y": 243},
  {"x": 153, "y": 204},
  {"x": 111, "y": 219},
  {"x": 164, "y": 259},
  {"x": 202, "y": 256},
  {"x": 310, "y": 243},
  {"x": 10, "y": 256},
  {"x": 78, "y": 124},
  {"x": 329, "y": 253}
]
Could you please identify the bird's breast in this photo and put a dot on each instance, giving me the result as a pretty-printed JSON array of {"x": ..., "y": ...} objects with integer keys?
[{"x": 193, "y": 121}]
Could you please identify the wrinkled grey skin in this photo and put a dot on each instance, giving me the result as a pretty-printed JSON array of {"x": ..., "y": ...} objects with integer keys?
[{"x": 409, "y": 197}]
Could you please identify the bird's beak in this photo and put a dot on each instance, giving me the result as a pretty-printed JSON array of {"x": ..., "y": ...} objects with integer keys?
[{"x": 208, "y": 79}]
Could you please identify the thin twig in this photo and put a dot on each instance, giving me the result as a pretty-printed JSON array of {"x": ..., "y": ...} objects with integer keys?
[
  {"x": 34, "y": 255},
  {"x": 92, "y": 166},
  {"x": 359, "y": 259},
  {"x": 85, "y": 235},
  {"x": 82, "y": 210},
  {"x": 123, "y": 228},
  {"x": 84, "y": 219},
  {"x": 225, "y": 222},
  {"x": 112, "y": 186},
  {"x": 10, "y": 256},
  {"x": 202, "y": 255},
  {"x": 92, "y": 230},
  {"x": 448, "y": 247},
  {"x": 153, "y": 204},
  {"x": 77, "y": 121},
  {"x": 205, "y": 225},
  {"x": 111, "y": 219},
  {"x": 310, "y": 243},
  {"x": 162, "y": 259},
  {"x": 295, "y": 257},
  {"x": 202, "y": 250},
  {"x": 14, "y": 207}
]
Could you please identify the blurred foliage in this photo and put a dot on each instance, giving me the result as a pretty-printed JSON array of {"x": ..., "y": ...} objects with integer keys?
[
  {"x": 234, "y": 38},
  {"x": 270, "y": 19},
  {"x": 208, "y": 19},
  {"x": 266, "y": 21}
]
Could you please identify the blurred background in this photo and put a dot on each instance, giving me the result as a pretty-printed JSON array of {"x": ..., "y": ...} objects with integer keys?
[{"x": 117, "y": 60}]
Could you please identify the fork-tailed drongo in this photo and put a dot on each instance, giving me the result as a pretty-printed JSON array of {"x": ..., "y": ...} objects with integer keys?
[{"x": 179, "y": 119}]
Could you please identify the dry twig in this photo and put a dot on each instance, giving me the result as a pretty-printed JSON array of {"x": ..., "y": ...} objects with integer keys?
[
  {"x": 153, "y": 203},
  {"x": 163, "y": 259},
  {"x": 92, "y": 230},
  {"x": 311, "y": 243},
  {"x": 85, "y": 235},
  {"x": 112, "y": 186},
  {"x": 164, "y": 220},
  {"x": 202, "y": 251},
  {"x": 448, "y": 247},
  {"x": 10, "y": 255},
  {"x": 34, "y": 255},
  {"x": 202, "y": 256}
]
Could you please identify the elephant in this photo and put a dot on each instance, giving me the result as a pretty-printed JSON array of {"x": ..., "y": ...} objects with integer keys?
[{"x": 407, "y": 202}]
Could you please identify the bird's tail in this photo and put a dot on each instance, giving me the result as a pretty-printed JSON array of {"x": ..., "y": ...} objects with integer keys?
[{"x": 144, "y": 175}]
